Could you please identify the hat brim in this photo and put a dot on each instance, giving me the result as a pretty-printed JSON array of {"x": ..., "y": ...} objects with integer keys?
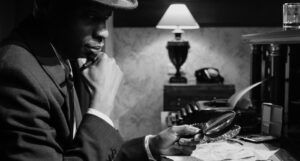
[{"x": 119, "y": 4}]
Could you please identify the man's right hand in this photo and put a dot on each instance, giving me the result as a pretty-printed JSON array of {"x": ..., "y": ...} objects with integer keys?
[
  {"x": 172, "y": 141},
  {"x": 103, "y": 79}
]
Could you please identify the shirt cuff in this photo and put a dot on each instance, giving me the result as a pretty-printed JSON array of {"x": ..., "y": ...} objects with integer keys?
[
  {"x": 149, "y": 154},
  {"x": 100, "y": 115}
]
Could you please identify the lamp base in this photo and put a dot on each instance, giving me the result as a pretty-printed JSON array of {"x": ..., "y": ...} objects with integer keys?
[
  {"x": 178, "y": 51},
  {"x": 176, "y": 79}
]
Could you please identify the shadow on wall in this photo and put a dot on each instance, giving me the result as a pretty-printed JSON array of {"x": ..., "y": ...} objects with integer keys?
[
  {"x": 142, "y": 55},
  {"x": 7, "y": 17},
  {"x": 12, "y": 12}
]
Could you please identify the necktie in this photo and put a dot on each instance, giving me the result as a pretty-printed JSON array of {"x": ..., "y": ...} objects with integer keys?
[
  {"x": 75, "y": 115},
  {"x": 75, "y": 111}
]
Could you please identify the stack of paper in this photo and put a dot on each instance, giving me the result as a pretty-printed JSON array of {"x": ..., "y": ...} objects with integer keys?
[{"x": 224, "y": 151}]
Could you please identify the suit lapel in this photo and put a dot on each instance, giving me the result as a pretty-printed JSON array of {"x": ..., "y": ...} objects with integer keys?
[{"x": 40, "y": 46}]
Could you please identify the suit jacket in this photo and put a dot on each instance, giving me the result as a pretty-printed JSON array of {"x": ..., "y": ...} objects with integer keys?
[{"x": 35, "y": 114}]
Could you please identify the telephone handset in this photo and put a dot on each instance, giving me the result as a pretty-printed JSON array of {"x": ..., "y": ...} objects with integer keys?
[{"x": 208, "y": 75}]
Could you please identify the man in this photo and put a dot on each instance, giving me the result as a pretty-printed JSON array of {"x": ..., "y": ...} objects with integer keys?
[{"x": 40, "y": 117}]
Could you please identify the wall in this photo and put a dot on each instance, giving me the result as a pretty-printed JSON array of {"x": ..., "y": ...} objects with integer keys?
[{"x": 142, "y": 55}]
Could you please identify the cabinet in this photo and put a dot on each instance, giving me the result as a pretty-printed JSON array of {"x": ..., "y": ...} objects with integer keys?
[{"x": 275, "y": 57}]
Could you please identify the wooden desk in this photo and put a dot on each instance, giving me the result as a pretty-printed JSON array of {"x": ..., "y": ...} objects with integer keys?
[{"x": 280, "y": 155}]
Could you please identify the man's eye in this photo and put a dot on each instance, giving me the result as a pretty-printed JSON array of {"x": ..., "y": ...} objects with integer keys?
[
  {"x": 91, "y": 17},
  {"x": 95, "y": 18}
]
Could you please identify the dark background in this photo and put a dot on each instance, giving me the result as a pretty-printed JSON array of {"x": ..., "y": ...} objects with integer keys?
[{"x": 208, "y": 13}]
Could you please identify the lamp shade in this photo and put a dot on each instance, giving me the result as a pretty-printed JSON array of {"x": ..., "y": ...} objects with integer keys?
[{"x": 177, "y": 16}]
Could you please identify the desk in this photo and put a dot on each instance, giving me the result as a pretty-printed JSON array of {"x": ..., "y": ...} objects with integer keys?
[{"x": 280, "y": 155}]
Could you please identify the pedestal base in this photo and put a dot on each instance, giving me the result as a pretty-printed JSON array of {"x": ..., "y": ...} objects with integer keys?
[{"x": 178, "y": 80}]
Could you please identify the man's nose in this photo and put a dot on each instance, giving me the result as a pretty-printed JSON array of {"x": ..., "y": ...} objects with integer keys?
[{"x": 101, "y": 32}]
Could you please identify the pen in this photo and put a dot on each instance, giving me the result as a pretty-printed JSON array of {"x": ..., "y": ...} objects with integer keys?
[{"x": 93, "y": 58}]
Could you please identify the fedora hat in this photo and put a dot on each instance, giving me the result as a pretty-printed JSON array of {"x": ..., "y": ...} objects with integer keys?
[{"x": 119, "y": 4}]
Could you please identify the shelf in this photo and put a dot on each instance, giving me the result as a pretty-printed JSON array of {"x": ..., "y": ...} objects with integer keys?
[
  {"x": 278, "y": 52},
  {"x": 296, "y": 102},
  {"x": 282, "y": 37}
]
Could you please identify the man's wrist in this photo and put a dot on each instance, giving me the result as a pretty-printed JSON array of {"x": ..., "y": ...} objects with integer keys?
[
  {"x": 153, "y": 148},
  {"x": 101, "y": 115},
  {"x": 101, "y": 106}
]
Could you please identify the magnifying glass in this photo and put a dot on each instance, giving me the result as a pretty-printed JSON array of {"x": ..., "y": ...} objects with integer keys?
[{"x": 218, "y": 125}]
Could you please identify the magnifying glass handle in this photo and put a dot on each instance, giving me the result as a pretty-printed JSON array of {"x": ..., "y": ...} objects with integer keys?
[{"x": 192, "y": 136}]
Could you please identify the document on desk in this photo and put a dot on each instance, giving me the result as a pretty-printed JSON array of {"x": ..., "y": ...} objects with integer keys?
[{"x": 224, "y": 151}]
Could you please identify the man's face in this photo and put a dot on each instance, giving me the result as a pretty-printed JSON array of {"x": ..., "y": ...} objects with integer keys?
[{"x": 83, "y": 31}]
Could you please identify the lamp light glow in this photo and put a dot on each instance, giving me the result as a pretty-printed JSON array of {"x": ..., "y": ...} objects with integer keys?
[{"x": 177, "y": 16}]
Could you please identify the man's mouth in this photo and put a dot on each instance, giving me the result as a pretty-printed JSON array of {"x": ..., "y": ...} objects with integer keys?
[
  {"x": 94, "y": 47},
  {"x": 93, "y": 50}
]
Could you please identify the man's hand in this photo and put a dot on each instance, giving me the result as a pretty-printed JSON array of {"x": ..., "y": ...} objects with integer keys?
[
  {"x": 103, "y": 78},
  {"x": 173, "y": 141}
]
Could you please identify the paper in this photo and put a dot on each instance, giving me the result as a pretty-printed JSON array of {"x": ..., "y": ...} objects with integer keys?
[
  {"x": 233, "y": 100},
  {"x": 182, "y": 158},
  {"x": 224, "y": 151}
]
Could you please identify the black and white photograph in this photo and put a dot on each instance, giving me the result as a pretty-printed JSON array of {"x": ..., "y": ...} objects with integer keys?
[{"x": 149, "y": 80}]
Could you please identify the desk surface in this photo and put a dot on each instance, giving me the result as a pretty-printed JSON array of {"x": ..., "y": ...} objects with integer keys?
[{"x": 280, "y": 155}]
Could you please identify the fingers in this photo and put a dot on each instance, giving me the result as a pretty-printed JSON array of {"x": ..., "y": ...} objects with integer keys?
[
  {"x": 85, "y": 63},
  {"x": 100, "y": 58},
  {"x": 187, "y": 142},
  {"x": 116, "y": 79},
  {"x": 185, "y": 130},
  {"x": 185, "y": 146},
  {"x": 180, "y": 150},
  {"x": 186, "y": 150},
  {"x": 101, "y": 71},
  {"x": 173, "y": 140},
  {"x": 81, "y": 61},
  {"x": 198, "y": 137}
]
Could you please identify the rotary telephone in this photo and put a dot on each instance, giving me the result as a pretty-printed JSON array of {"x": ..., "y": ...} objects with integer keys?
[
  {"x": 208, "y": 75},
  {"x": 214, "y": 117}
]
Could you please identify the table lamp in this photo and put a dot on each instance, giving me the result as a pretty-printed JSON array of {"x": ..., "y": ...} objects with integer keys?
[{"x": 177, "y": 17}]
